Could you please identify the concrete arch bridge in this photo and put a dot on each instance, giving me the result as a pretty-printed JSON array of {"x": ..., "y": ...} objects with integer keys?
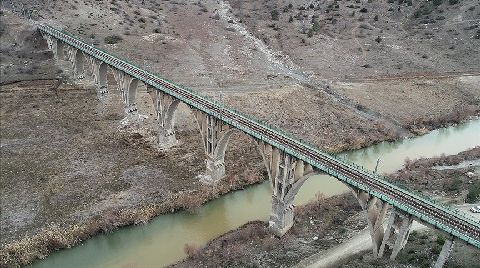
[{"x": 289, "y": 161}]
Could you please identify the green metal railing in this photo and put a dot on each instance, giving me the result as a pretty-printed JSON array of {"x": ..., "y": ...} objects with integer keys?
[{"x": 61, "y": 35}]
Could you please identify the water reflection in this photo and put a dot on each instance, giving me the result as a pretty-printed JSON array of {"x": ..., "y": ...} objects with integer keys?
[{"x": 161, "y": 241}]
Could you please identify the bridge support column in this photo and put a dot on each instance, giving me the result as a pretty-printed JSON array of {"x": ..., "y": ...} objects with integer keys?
[
  {"x": 56, "y": 46},
  {"x": 78, "y": 64},
  {"x": 397, "y": 232},
  {"x": 375, "y": 210},
  {"x": 165, "y": 107},
  {"x": 99, "y": 71},
  {"x": 286, "y": 174},
  {"x": 127, "y": 85},
  {"x": 445, "y": 253},
  {"x": 215, "y": 136},
  {"x": 58, "y": 52},
  {"x": 50, "y": 42},
  {"x": 68, "y": 52}
]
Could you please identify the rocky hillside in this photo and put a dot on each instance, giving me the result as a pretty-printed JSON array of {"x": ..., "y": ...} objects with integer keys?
[{"x": 253, "y": 44}]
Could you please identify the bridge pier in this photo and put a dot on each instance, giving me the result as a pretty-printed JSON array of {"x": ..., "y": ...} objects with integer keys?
[
  {"x": 59, "y": 51},
  {"x": 56, "y": 46},
  {"x": 99, "y": 71},
  {"x": 50, "y": 42},
  {"x": 286, "y": 174},
  {"x": 165, "y": 107},
  {"x": 215, "y": 135},
  {"x": 375, "y": 210},
  {"x": 445, "y": 253},
  {"x": 127, "y": 85},
  {"x": 79, "y": 64},
  {"x": 397, "y": 232},
  {"x": 68, "y": 53}
]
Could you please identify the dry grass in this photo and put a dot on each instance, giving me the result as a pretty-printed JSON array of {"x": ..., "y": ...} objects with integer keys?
[
  {"x": 313, "y": 116},
  {"x": 418, "y": 104}
]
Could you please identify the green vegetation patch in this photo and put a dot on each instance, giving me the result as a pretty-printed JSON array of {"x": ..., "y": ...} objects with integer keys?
[
  {"x": 113, "y": 39},
  {"x": 473, "y": 194}
]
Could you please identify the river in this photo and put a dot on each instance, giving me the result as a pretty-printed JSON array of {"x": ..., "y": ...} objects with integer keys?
[{"x": 161, "y": 241}]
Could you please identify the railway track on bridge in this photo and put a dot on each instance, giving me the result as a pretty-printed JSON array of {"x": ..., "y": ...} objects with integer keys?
[{"x": 424, "y": 210}]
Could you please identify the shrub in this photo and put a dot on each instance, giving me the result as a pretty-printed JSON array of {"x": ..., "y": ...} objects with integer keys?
[
  {"x": 310, "y": 32},
  {"x": 113, "y": 39},
  {"x": 440, "y": 240},
  {"x": 436, "y": 249},
  {"x": 454, "y": 185},
  {"x": 274, "y": 13},
  {"x": 473, "y": 194}
]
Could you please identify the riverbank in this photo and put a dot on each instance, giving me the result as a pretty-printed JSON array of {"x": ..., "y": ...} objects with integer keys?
[
  {"x": 326, "y": 223},
  {"x": 315, "y": 228}
]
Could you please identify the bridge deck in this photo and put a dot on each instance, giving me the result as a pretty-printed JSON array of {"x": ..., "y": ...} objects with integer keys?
[{"x": 423, "y": 209}]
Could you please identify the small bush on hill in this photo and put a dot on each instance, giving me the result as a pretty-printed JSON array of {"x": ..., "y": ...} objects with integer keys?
[
  {"x": 113, "y": 39},
  {"x": 473, "y": 194}
]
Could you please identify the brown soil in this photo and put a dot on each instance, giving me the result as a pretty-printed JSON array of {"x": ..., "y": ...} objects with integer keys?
[
  {"x": 343, "y": 39},
  {"x": 417, "y": 104},
  {"x": 315, "y": 117}
]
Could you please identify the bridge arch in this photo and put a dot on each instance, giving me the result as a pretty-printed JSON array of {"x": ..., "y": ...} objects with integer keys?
[{"x": 223, "y": 143}]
